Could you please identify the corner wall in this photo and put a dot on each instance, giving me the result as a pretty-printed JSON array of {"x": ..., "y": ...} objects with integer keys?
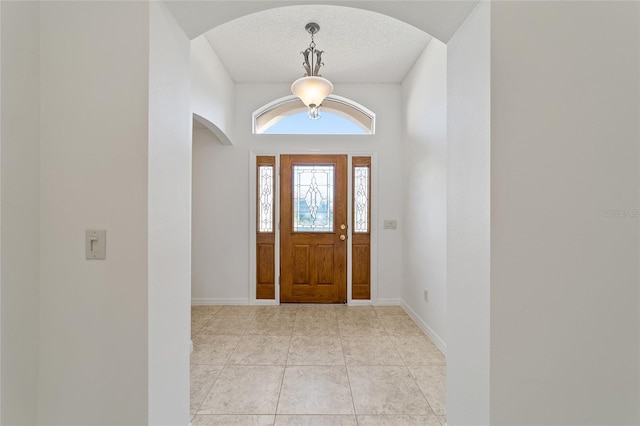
[
  {"x": 424, "y": 175},
  {"x": 20, "y": 210},
  {"x": 93, "y": 318},
  {"x": 565, "y": 194},
  {"x": 468, "y": 220},
  {"x": 169, "y": 213}
]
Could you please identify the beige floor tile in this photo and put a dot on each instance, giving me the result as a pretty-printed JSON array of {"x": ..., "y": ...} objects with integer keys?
[
  {"x": 239, "y": 310},
  {"x": 214, "y": 350},
  {"x": 315, "y": 390},
  {"x": 270, "y": 328},
  {"x": 398, "y": 420},
  {"x": 315, "y": 350},
  {"x": 232, "y": 420},
  {"x": 270, "y": 315},
  {"x": 197, "y": 324},
  {"x": 261, "y": 350},
  {"x": 231, "y": 326},
  {"x": 361, "y": 327},
  {"x": 418, "y": 350},
  {"x": 316, "y": 326},
  {"x": 355, "y": 312},
  {"x": 433, "y": 383},
  {"x": 206, "y": 309},
  {"x": 370, "y": 350},
  {"x": 386, "y": 390},
  {"x": 200, "y": 315},
  {"x": 260, "y": 309},
  {"x": 389, "y": 310},
  {"x": 401, "y": 325},
  {"x": 202, "y": 378},
  {"x": 244, "y": 390},
  {"x": 317, "y": 420},
  {"x": 315, "y": 311},
  {"x": 247, "y": 347}
]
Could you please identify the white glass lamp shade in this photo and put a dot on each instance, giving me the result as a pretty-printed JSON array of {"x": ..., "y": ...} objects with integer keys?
[{"x": 312, "y": 90}]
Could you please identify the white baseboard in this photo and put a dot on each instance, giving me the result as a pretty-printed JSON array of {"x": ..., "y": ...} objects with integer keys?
[
  {"x": 267, "y": 302},
  {"x": 388, "y": 302},
  {"x": 379, "y": 302},
  {"x": 428, "y": 330},
  {"x": 207, "y": 301},
  {"x": 359, "y": 303}
]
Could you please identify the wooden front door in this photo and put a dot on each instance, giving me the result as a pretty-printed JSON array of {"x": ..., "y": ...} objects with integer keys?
[{"x": 313, "y": 220}]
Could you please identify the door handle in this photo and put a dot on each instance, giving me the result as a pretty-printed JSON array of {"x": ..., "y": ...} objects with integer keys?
[{"x": 343, "y": 237}]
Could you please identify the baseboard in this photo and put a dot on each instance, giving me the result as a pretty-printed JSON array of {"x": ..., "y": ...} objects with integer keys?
[
  {"x": 265, "y": 302},
  {"x": 388, "y": 302},
  {"x": 379, "y": 302},
  {"x": 428, "y": 330},
  {"x": 208, "y": 301},
  {"x": 359, "y": 302}
]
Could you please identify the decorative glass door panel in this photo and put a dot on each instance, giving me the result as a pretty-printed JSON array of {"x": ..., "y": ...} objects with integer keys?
[
  {"x": 313, "y": 194},
  {"x": 361, "y": 238}
]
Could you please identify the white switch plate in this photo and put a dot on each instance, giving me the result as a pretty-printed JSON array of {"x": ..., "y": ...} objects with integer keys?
[
  {"x": 96, "y": 244},
  {"x": 390, "y": 224}
]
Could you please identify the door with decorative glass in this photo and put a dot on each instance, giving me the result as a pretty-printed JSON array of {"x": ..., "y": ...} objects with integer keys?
[{"x": 313, "y": 228}]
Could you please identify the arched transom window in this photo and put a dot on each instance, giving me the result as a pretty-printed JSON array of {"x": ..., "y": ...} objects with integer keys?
[{"x": 288, "y": 115}]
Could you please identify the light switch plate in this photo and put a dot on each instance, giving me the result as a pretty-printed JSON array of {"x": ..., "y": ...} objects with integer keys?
[
  {"x": 390, "y": 224},
  {"x": 96, "y": 244}
]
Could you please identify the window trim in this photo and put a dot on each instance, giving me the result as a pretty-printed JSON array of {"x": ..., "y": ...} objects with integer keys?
[{"x": 274, "y": 111}]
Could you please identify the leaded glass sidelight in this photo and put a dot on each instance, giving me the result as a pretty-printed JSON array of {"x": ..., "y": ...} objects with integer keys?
[
  {"x": 265, "y": 198},
  {"x": 313, "y": 187},
  {"x": 361, "y": 199}
]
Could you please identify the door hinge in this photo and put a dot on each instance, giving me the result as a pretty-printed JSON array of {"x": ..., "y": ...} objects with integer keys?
[{"x": 279, "y": 279}]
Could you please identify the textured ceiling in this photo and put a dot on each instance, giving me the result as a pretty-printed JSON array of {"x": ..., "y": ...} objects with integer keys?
[{"x": 359, "y": 46}]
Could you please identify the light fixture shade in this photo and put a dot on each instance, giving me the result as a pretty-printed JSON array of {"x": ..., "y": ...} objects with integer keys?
[{"x": 312, "y": 90}]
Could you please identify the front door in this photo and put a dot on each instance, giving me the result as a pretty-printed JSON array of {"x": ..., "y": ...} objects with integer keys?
[{"x": 313, "y": 221}]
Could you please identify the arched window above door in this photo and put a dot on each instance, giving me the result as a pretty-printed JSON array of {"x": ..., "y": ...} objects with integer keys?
[{"x": 288, "y": 115}]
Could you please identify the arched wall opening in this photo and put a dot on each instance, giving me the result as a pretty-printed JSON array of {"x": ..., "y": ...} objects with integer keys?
[{"x": 475, "y": 403}]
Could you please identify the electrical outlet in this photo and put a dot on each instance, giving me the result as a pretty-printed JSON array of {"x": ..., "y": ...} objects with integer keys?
[{"x": 426, "y": 296}]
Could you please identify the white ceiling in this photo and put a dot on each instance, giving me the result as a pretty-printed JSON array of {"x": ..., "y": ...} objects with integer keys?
[{"x": 359, "y": 46}]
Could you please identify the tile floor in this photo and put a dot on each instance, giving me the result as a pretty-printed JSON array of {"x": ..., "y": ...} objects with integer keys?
[{"x": 313, "y": 365}]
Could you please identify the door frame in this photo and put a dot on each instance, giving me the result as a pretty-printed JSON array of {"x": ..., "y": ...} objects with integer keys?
[{"x": 252, "y": 221}]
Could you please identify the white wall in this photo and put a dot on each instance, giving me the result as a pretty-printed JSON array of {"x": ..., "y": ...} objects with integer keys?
[
  {"x": 221, "y": 181},
  {"x": 468, "y": 220},
  {"x": 424, "y": 153},
  {"x": 169, "y": 219},
  {"x": 20, "y": 210},
  {"x": 93, "y": 317},
  {"x": 564, "y": 296},
  {"x": 212, "y": 90},
  {"x": 217, "y": 202}
]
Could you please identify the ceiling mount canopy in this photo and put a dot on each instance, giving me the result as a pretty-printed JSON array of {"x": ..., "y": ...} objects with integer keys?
[{"x": 312, "y": 88}]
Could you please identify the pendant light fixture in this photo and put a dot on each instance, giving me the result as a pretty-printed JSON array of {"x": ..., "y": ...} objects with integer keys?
[{"x": 312, "y": 88}]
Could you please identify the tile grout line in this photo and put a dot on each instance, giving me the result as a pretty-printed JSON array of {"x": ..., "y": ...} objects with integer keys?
[
  {"x": 221, "y": 370},
  {"x": 346, "y": 369},
  {"x": 284, "y": 370}
]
